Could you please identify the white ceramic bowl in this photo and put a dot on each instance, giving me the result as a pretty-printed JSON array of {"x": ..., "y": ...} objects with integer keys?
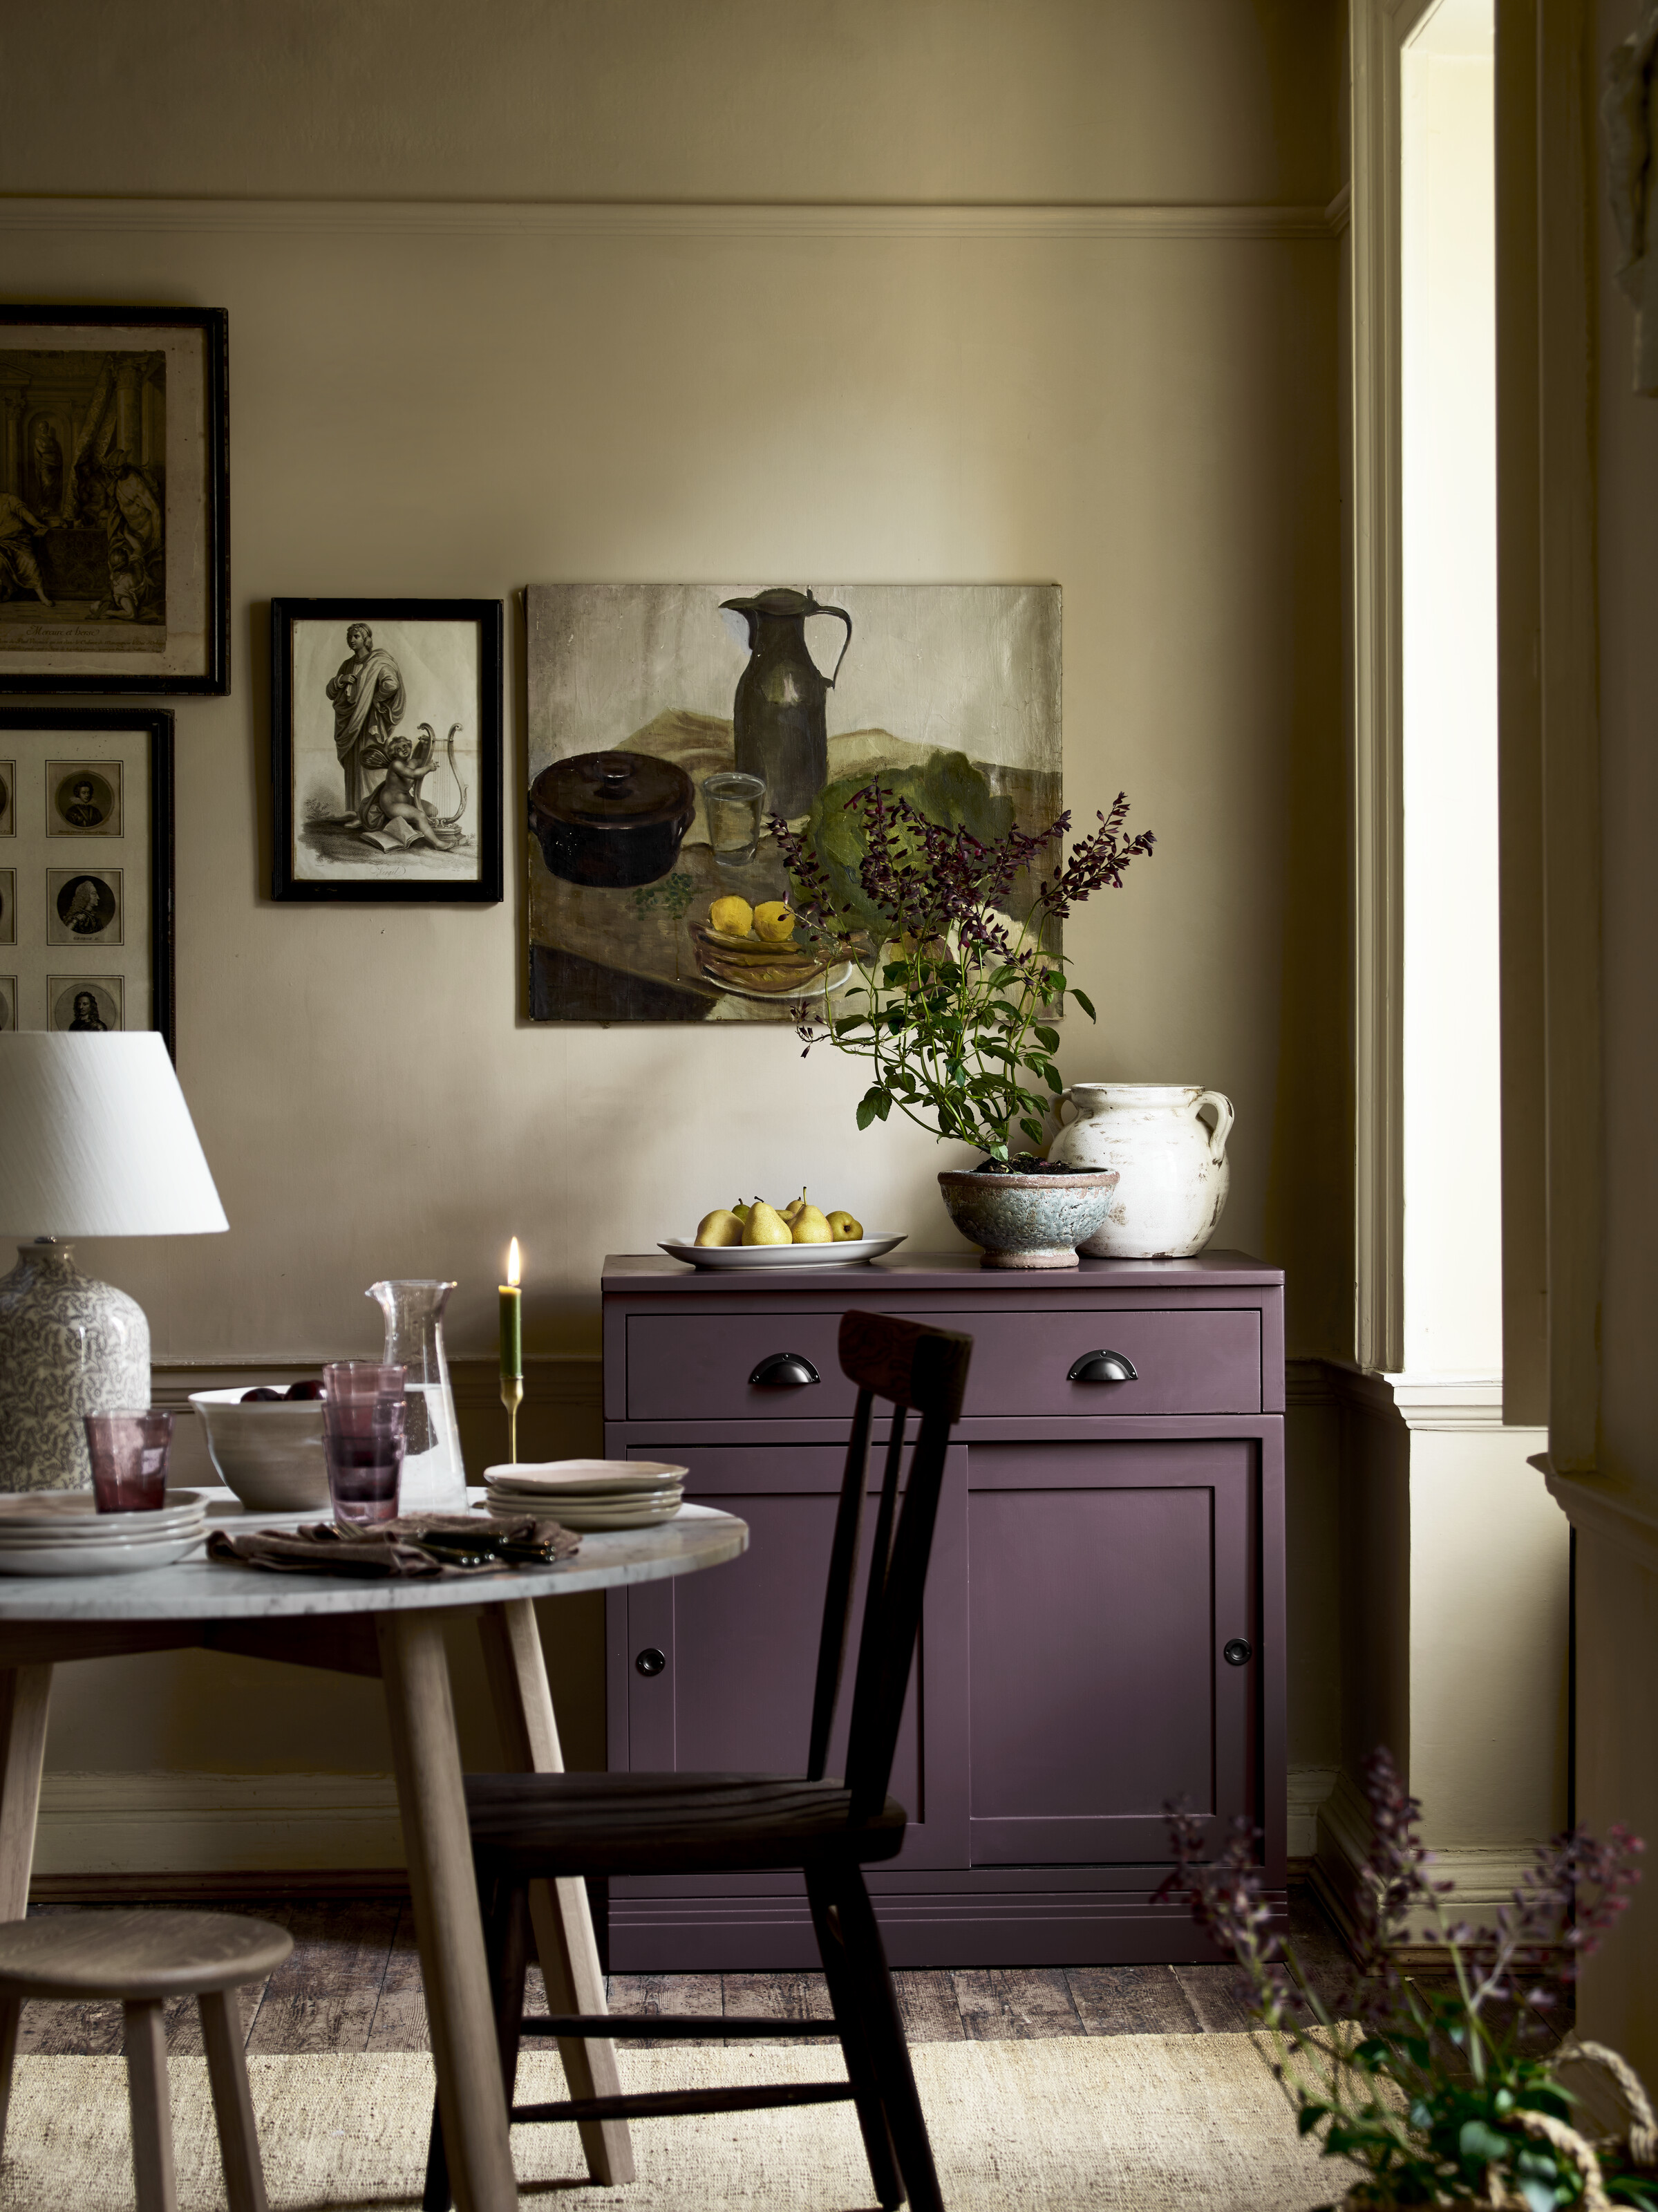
[{"x": 271, "y": 1454}]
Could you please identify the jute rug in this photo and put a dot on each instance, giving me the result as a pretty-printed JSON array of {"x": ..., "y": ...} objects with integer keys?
[{"x": 1130, "y": 2122}]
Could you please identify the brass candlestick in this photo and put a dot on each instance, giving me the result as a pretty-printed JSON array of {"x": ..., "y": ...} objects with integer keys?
[{"x": 512, "y": 1396}]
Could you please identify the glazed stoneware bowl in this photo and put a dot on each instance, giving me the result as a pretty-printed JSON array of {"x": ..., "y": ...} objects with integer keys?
[
  {"x": 271, "y": 1454},
  {"x": 1027, "y": 1220}
]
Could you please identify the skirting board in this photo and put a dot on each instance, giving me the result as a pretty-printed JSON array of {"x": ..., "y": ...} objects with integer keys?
[
  {"x": 1484, "y": 1878},
  {"x": 171, "y": 1825}
]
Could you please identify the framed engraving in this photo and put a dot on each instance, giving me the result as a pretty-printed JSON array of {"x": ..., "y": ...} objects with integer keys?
[
  {"x": 83, "y": 798},
  {"x": 386, "y": 751},
  {"x": 114, "y": 541},
  {"x": 86, "y": 889}
]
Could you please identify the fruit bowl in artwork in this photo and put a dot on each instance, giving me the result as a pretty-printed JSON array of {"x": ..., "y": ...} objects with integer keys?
[{"x": 269, "y": 1454}]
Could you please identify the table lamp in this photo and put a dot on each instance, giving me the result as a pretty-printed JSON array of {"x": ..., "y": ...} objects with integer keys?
[{"x": 95, "y": 1141}]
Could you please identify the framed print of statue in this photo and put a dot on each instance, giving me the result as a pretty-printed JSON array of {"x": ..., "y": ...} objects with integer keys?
[
  {"x": 386, "y": 751},
  {"x": 114, "y": 537},
  {"x": 86, "y": 869}
]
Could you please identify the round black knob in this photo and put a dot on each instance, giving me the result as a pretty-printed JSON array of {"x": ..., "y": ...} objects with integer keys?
[
  {"x": 651, "y": 1661},
  {"x": 1103, "y": 1367},
  {"x": 1239, "y": 1652},
  {"x": 784, "y": 1371}
]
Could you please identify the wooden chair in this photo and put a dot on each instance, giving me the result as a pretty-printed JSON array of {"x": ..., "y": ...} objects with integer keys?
[
  {"x": 528, "y": 1827},
  {"x": 143, "y": 1958}
]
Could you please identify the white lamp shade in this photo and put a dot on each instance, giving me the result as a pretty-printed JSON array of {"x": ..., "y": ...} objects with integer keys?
[{"x": 96, "y": 1139}]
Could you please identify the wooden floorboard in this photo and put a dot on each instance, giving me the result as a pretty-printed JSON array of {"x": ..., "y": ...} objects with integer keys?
[
  {"x": 1011, "y": 2005},
  {"x": 354, "y": 1984}
]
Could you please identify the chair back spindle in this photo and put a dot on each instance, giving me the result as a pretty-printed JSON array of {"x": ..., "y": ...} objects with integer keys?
[{"x": 913, "y": 1370}]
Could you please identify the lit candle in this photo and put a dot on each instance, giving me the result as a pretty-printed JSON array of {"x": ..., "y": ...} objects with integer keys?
[{"x": 512, "y": 1319}]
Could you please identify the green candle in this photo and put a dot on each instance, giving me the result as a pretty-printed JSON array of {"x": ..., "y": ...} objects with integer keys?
[{"x": 512, "y": 1319}]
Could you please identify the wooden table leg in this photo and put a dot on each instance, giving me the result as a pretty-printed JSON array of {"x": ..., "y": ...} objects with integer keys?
[
  {"x": 558, "y": 1910},
  {"x": 25, "y": 1693},
  {"x": 432, "y": 1803}
]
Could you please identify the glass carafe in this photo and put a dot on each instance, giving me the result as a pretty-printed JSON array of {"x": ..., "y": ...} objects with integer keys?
[{"x": 433, "y": 1472}]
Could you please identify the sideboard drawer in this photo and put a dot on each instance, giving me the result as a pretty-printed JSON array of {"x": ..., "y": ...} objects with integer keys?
[
  {"x": 1188, "y": 1359},
  {"x": 696, "y": 1367}
]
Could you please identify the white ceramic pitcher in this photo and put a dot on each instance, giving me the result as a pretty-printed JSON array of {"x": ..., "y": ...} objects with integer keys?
[{"x": 1172, "y": 1168}]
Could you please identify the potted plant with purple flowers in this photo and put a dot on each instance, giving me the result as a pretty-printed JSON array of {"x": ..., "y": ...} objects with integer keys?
[
  {"x": 1441, "y": 2096},
  {"x": 952, "y": 940}
]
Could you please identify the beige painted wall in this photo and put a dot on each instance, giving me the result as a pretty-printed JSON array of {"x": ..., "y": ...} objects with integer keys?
[
  {"x": 436, "y": 403},
  {"x": 865, "y": 99}
]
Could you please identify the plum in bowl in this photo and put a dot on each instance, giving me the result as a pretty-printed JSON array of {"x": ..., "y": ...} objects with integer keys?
[{"x": 269, "y": 1452}]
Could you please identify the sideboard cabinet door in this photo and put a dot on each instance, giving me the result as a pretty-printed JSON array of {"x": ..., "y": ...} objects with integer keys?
[
  {"x": 738, "y": 1649},
  {"x": 1105, "y": 1581}
]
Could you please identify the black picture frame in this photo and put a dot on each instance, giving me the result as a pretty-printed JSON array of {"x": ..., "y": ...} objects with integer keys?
[
  {"x": 38, "y": 744},
  {"x": 336, "y": 873},
  {"x": 106, "y": 437}
]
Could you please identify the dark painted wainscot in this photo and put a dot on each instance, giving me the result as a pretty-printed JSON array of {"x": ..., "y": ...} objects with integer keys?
[{"x": 1104, "y": 1623}]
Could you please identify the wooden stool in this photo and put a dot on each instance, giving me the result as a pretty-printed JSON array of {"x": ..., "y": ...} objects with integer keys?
[{"x": 143, "y": 1958}]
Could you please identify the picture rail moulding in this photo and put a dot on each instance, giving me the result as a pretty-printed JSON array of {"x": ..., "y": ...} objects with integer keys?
[{"x": 620, "y": 219}]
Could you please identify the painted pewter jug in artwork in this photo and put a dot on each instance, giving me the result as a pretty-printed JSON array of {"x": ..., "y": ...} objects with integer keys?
[
  {"x": 1171, "y": 1167},
  {"x": 780, "y": 716}
]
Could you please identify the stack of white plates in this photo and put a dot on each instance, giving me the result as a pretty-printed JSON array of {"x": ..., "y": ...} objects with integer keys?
[
  {"x": 587, "y": 1493},
  {"x": 61, "y": 1532}
]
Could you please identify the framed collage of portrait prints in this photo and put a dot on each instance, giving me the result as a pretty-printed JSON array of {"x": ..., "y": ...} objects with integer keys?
[
  {"x": 86, "y": 869},
  {"x": 114, "y": 539}
]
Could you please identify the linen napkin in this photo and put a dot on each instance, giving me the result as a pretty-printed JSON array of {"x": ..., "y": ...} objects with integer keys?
[{"x": 453, "y": 1545}]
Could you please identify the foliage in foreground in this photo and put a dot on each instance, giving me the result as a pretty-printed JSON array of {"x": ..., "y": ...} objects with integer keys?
[{"x": 1439, "y": 2097}]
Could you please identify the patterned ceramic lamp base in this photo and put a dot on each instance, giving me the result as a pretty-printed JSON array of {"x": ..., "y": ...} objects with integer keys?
[{"x": 68, "y": 1346}]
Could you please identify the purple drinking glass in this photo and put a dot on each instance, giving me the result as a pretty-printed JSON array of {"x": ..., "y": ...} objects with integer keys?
[
  {"x": 364, "y": 1412},
  {"x": 129, "y": 1454}
]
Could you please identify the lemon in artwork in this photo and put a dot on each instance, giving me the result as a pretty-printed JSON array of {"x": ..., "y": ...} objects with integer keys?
[
  {"x": 773, "y": 922},
  {"x": 731, "y": 916}
]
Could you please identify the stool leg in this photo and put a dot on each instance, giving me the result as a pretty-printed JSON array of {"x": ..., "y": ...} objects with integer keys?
[
  {"x": 11, "y": 2012},
  {"x": 233, "y": 2106},
  {"x": 152, "y": 2120}
]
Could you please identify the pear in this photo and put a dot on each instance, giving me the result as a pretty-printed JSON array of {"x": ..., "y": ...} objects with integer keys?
[
  {"x": 741, "y": 1212},
  {"x": 810, "y": 1228},
  {"x": 766, "y": 1225},
  {"x": 794, "y": 1207},
  {"x": 720, "y": 1227},
  {"x": 773, "y": 922},
  {"x": 843, "y": 1228}
]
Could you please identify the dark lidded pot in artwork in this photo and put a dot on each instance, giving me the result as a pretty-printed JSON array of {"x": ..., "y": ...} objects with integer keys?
[{"x": 612, "y": 821}]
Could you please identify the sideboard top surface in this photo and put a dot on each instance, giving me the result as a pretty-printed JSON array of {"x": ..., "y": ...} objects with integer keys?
[{"x": 639, "y": 1274}]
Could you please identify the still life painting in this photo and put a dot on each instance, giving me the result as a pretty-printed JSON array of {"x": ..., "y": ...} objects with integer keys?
[
  {"x": 112, "y": 540},
  {"x": 386, "y": 750},
  {"x": 669, "y": 723}
]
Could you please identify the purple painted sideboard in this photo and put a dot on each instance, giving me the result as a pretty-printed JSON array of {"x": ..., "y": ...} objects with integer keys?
[{"x": 1104, "y": 1619}]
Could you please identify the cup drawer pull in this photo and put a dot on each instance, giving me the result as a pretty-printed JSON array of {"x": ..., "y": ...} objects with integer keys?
[
  {"x": 784, "y": 1371},
  {"x": 1103, "y": 1367}
]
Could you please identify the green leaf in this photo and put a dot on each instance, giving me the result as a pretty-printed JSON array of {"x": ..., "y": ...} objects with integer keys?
[
  {"x": 1033, "y": 1130},
  {"x": 883, "y": 1107},
  {"x": 865, "y": 1113},
  {"x": 1085, "y": 1003},
  {"x": 1050, "y": 1038},
  {"x": 1481, "y": 2145},
  {"x": 1054, "y": 1082}
]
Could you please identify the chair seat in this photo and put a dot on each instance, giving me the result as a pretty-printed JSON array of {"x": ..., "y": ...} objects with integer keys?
[
  {"x": 602, "y": 1824},
  {"x": 136, "y": 1956}
]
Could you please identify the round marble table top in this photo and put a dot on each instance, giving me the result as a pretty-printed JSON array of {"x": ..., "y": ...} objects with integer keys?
[{"x": 203, "y": 1589}]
